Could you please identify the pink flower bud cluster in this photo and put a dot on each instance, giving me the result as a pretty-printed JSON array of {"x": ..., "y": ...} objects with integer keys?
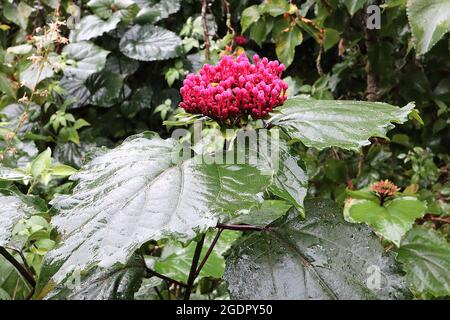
[{"x": 235, "y": 88}]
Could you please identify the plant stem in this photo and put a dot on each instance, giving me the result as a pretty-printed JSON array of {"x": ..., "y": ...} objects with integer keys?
[
  {"x": 205, "y": 29},
  {"x": 21, "y": 269},
  {"x": 208, "y": 253},
  {"x": 158, "y": 293},
  {"x": 241, "y": 227},
  {"x": 165, "y": 278},
  {"x": 192, "y": 272}
]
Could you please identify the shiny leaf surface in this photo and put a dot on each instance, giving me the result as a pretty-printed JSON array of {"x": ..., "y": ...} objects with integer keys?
[
  {"x": 149, "y": 43},
  {"x": 345, "y": 124},
  {"x": 425, "y": 255},
  {"x": 323, "y": 257},
  {"x": 135, "y": 193},
  {"x": 429, "y": 21}
]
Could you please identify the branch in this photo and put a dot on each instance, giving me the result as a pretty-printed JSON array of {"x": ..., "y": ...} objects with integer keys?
[
  {"x": 21, "y": 269},
  {"x": 241, "y": 227},
  {"x": 192, "y": 272},
  {"x": 165, "y": 278},
  {"x": 205, "y": 28},
  {"x": 208, "y": 253}
]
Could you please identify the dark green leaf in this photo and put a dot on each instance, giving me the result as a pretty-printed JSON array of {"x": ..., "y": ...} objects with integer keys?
[
  {"x": 345, "y": 124},
  {"x": 92, "y": 27},
  {"x": 323, "y": 257},
  {"x": 425, "y": 255},
  {"x": 115, "y": 283},
  {"x": 87, "y": 57},
  {"x": 149, "y": 43},
  {"x": 135, "y": 193},
  {"x": 429, "y": 20}
]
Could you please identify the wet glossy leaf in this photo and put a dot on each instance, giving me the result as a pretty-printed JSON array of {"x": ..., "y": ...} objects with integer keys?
[
  {"x": 323, "y": 257},
  {"x": 35, "y": 73},
  {"x": 121, "y": 65},
  {"x": 149, "y": 43},
  {"x": 135, "y": 193},
  {"x": 290, "y": 181},
  {"x": 12, "y": 174},
  {"x": 345, "y": 124},
  {"x": 92, "y": 27},
  {"x": 115, "y": 283},
  {"x": 87, "y": 57},
  {"x": 429, "y": 20},
  {"x": 153, "y": 11},
  {"x": 277, "y": 158},
  {"x": 268, "y": 212},
  {"x": 391, "y": 221},
  {"x": 425, "y": 255},
  {"x": 126, "y": 10}
]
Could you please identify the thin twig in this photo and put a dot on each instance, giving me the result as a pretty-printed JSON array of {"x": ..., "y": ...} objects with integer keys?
[
  {"x": 192, "y": 272},
  {"x": 28, "y": 277},
  {"x": 205, "y": 29},
  {"x": 208, "y": 253},
  {"x": 241, "y": 227},
  {"x": 158, "y": 293},
  {"x": 165, "y": 278}
]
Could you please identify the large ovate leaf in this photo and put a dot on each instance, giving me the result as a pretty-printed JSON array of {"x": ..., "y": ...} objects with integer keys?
[
  {"x": 149, "y": 43},
  {"x": 290, "y": 181},
  {"x": 277, "y": 158},
  {"x": 425, "y": 255},
  {"x": 118, "y": 282},
  {"x": 135, "y": 193},
  {"x": 153, "y": 11},
  {"x": 92, "y": 26},
  {"x": 126, "y": 10},
  {"x": 345, "y": 124},
  {"x": 86, "y": 59},
  {"x": 391, "y": 220},
  {"x": 322, "y": 257},
  {"x": 429, "y": 21}
]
